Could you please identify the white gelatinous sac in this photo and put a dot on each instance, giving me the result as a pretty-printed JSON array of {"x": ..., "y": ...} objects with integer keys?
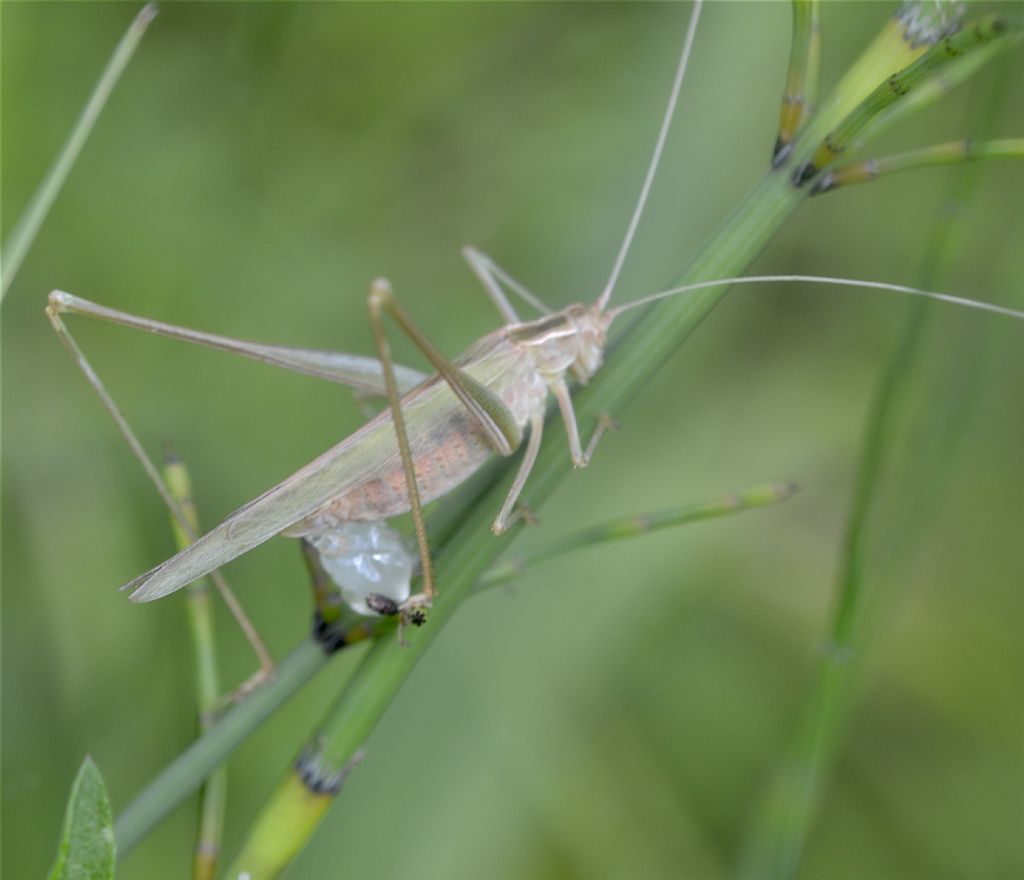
[{"x": 365, "y": 558}]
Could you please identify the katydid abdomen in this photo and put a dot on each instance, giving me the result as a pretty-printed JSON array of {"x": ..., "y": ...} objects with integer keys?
[{"x": 447, "y": 444}]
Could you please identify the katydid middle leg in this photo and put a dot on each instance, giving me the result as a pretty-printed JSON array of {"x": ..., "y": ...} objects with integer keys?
[
  {"x": 362, "y": 374},
  {"x": 509, "y": 513}
]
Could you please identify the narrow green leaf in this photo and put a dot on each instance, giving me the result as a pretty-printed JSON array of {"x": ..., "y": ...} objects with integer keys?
[
  {"x": 633, "y": 527},
  {"x": 951, "y": 153},
  {"x": 86, "y": 850},
  {"x": 20, "y": 240}
]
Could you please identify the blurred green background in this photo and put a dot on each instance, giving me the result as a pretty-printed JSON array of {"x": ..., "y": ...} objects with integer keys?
[{"x": 617, "y": 714}]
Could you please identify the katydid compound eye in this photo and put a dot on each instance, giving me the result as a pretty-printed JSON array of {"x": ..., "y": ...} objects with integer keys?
[{"x": 366, "y": 559}]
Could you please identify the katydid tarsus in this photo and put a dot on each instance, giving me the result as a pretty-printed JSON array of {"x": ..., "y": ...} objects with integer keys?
[{"x": 436, "y": 432}]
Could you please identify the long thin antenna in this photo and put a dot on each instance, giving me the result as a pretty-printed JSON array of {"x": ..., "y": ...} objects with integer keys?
[
  {"x": 823, "y": 279},
  {"x": 652, "y": 168}
]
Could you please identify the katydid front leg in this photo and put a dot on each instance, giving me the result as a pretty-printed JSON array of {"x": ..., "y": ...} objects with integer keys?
[{"x": 580, "y": 456}]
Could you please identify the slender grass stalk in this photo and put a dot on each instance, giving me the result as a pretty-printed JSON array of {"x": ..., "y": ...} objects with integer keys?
[
  {"x": 781, "y": 827},
  {"x": 199, "y": 605},
  {"x": 950, "y": 153},
  {"x": 27, "y": 227},
  {"x": 185, "y": 774},
  {"x": 633, "y": 527},
  {"x": 460, "y": 562},
  {"x": 802, "y": 78},
  {"x": 977, "y": 34},
  {"x": 311, "y": 785}
]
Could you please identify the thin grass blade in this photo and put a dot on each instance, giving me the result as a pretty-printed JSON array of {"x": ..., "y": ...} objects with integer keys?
[
  {"x": 623, "y": 528},
  {"x": 951, "y": 153},
  {"x": 199, "y": 605},
  {"x": 27, "y": 227}
]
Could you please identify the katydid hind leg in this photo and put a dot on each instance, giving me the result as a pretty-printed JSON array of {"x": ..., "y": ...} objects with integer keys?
[
  {"x": 493, "y": 417},
  {"x": 269, "y": 514},
  {"x": 379, "y": 299},
  {"x": 153, "y": 473},
  {"x": 363, "y": 374}
]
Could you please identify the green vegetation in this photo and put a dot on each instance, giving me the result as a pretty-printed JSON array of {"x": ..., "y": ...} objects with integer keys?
[{"x": 619, "y": 712}]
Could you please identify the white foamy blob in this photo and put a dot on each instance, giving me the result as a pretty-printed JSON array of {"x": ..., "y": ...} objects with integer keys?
[{"x": 364, "y": 558}]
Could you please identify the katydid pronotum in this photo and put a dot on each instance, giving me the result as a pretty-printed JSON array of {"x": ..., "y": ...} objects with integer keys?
[{"x": 435, "y": 433}]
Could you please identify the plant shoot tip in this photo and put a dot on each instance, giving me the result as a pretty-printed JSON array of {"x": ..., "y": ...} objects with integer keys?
[{"x": 147, "y": 14}]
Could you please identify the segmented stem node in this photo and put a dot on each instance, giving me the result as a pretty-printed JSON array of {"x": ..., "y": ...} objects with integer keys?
[{"x": 319, "y": 775}]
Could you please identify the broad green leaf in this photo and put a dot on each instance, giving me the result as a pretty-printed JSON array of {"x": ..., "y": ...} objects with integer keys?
[{"x": 86, "y": 850}]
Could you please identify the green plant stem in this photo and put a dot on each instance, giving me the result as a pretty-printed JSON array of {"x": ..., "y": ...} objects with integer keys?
[
  {"x": 460, "y": 562},
  {"x": 950, "y": 153},
  {"x": 940, "y": 84},
  {"x": 309, "y": 788},
  {"x": 186, "y": 773},
  {"x": 465, "y": 551},
  {"x": 31, "y": 219},
  {"x": 973, "y": 37},
  {"x": 184, "y": 776},
  {"x": 199, "y": 605},
  {"x": 781, "y": 827},
  {"x": 634, "y": 527},
  {"x": 802, "y": 78}
]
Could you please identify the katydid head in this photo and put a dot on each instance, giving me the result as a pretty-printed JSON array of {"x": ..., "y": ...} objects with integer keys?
[
  {"x": 571, "y": 340},
  {"x": 592, "y": 335}
]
